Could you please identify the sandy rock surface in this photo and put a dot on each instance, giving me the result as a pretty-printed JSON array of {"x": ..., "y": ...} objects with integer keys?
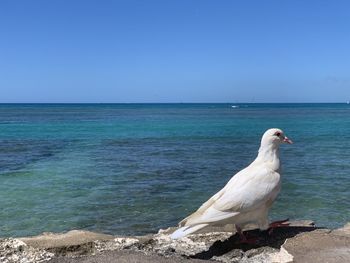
[
  {"x": 16, "y": 251},
  {"x": 300, "y": 242}
]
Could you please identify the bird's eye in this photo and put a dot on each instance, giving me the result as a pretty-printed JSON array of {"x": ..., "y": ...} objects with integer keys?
[{"x": 278, "y": 134}]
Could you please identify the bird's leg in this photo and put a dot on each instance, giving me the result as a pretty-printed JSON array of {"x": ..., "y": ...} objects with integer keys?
[
  {"x": 275, "y": 224},
  {"x": 244, "y": 239}
]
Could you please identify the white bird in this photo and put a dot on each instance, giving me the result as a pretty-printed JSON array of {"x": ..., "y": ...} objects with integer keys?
[{"x": 248, "y": 195}]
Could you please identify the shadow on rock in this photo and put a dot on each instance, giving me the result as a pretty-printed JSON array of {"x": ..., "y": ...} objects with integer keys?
[{"x": 275, "y": 240}]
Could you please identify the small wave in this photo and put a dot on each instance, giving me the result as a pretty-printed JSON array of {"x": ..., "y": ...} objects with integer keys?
[
  {"x": 8, "y": 122},
  {"x": 235, "y": 106}
]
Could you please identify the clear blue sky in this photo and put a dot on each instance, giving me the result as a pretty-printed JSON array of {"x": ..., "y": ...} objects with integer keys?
[{"x": 174, "y": 51}]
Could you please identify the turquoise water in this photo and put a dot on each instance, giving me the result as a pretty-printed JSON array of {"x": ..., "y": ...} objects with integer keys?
[{"x": 135, "y": 168}]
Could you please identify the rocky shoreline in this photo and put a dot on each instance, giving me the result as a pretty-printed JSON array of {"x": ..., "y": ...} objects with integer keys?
[{"x": 302, "y": 242}]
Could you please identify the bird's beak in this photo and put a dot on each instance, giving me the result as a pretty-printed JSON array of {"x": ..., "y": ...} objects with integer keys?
[{"x": 287, "y": 140}]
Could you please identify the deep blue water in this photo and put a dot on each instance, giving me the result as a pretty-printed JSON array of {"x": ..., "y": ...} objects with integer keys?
[{"x": 135, "y": 168}]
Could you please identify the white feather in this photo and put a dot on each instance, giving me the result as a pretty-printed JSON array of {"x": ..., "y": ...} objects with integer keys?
[{"x": 186, "y": 230}]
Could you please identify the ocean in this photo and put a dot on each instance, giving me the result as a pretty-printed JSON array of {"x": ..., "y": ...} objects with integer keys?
[{"x": 135, "y": 168}]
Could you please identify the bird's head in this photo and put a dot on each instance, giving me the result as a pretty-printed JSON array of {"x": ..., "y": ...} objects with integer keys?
[{"x": 274, "y": 137}]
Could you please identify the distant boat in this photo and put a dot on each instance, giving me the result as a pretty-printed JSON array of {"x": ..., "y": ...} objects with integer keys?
[{"x": 234, "y": 106}]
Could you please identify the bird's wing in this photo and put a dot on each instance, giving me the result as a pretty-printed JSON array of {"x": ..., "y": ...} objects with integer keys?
[
  {"x": 247, "y": 190},
  {"x": 202, "y": 208}
]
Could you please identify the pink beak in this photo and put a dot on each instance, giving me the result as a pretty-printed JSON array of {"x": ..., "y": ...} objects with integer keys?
[{"x": 287, "y": 140}]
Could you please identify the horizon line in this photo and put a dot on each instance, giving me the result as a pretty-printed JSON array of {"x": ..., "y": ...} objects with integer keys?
[
  {"x": 343, "y": 102},
  {"x": 233, "y": 103}
]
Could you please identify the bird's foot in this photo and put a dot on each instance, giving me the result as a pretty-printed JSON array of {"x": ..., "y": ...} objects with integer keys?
[
  {"x": 244, "y": 239},
  {"x": 275, "y": 224}
]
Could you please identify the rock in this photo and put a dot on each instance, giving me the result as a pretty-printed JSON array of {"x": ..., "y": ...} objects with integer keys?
[
  {"x": 344, "y": 231},
  {"x": 125, "y": 256},
  {"x": 72, "y": 238},
  {"x": 119, "y": 243},
  {"x": 281, "y": 257},
  {"x": 319, "y": 246},
  {"x": 16, "y": 251},
  {"x": 72, "y": 243},
  {"x": 302, "y": 241},
  {"x": 188, "y": 246}
]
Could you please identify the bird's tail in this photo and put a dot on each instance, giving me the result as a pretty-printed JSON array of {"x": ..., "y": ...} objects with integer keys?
[{"x": 186, "y": 230}]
